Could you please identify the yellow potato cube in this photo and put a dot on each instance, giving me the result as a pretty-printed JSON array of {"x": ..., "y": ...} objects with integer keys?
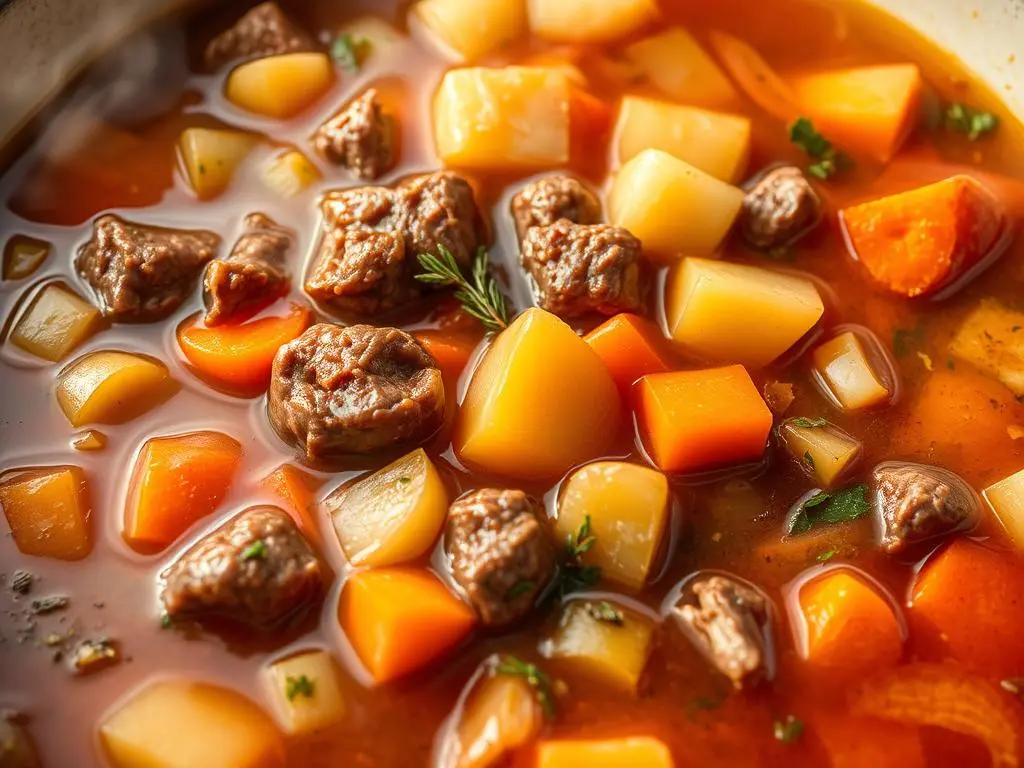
[
  {"x": 182, "y": 724},
  {"x": 56, "y": 322},
  {"x": 629, "y": 509},
  {"x": 374, "y": 37},
  {"x": 305, "y": 692},
  {"x": 1006, "y": 498},
  {"x": 631, "y": 752},
  {"x": 671, "y": 206},
  {"x": 540, "y": 402},
  {"x": 48, "y": 511},
  {"x": 280, "y": 86},
  {"x": 614, "y": 651},
  {"x": 713, "y": 142},
  {"x": 290, "y": 173},
  {"x": 112, "y": 387},
  {"x": 844, "y": 371},
  {"x": 211, "y": 157},
  {"x": 589, "y": 21},
  {"x": 23, "y": 255},
  {"x": 514, "y": 117},
  {"x": 992, "y": 339},
  {"x": 472, "y": 30},
  {"x": 738, "y": 313},
  {"x": 825, "y": 451},
  {"x": 676, "y": 63},
  {"x": 391, "y": 516}
]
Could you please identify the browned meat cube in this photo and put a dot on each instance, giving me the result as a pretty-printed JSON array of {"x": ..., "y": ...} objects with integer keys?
[
  {"x": 252, "y": 276},
  {"x": 579, "y": 269},
  {"x": 340, "y": 391},
  {"x": 917, "y": 502},
  {"x": 142, "y": 273},
  {"x": 501, "y": 553},
  {"x": 256, "y": 569},
  {"x": 730, "y": 625},
  {"x": 779, "y": 209},
  {"x": 360, "y": 138},
  {"x": 545, "y": 201},
  {"x": 262, "y": 31},
  {"x": 371, "y": 236}
]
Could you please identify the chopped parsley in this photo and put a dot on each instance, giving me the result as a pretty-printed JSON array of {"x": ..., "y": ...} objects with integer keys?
[
  {"x": 606, "y": 612},
  {"x": 403, "y": 480},
  {"x": 789, "y": 730},
  {"x": 964, "y": 119},
  {"x": 165, "y": 621},
  {"x": 536, "y": 678},
  {"x": 298, "y": 686},
  {"x": 808, "y": 459},
  {"x": 350, "y": 51},
  {"x": 576, "y": 576},
  {"x": 905, "y": 341},
  {"x": 519, "y": 589},
  {"x": 255, "y": 551},
  {"x": 824, "y": 557},
  {"x": 580, "y": 541},
  {"x": 803, "y": 421},
  {"x": 805, "y": 135},
  {"x": 845, "y": 505}
]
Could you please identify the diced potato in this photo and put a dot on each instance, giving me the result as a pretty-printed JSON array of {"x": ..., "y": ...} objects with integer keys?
[
  {"x": 48, "y": 511},
  {"x": 737, "y": 312},
  {"x": 632, "y": 751},
  {"x": 615, "y": 652},
  {"x": 211, "y": 156},
  {"x": 90, "y": 440},
  {"x": 540, "y": 402},
  {"x": 290, "y": 173},
  {"x": 23, "y": 255},
  {"x": 671, "y": 206},
  {"x": 629, "y": 508},
  {"x": 472, "y": 30},
  {"x": 992, "y": 339},
  {"x": 56, "y": 322},
  {"x": 112, "y": 387},
  {"x": 713, "y": 142},
  {"x": 280, "y": 86},
  {"x": 589, "y": 21},
  {"x": 825, "y": 451},
  {"x": 378, "y": 38},
  {"x": 182, "y": 724},
  {"x": 675, "y": 62},
  {"x": 843, "y": 369},
  {"x": 305, "y": 692},
  {"x": 391, "y": 516},
  {"x": 1006, "y": 498},
  {"x": 514, "y": 117}
]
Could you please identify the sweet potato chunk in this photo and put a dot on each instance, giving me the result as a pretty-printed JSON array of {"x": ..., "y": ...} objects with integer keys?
[{"x": 48, "y": 511}]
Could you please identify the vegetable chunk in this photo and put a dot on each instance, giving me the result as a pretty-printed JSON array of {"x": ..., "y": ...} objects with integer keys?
[
  {"x": 23, "y": 255},
  {"x": 916, "y": 243},
  {"x": 181, "y": 724},
  {"x": 1006, "y": 498},
  {"x": 48, "y": 511},
  {"x": 472, "y": 30},
  {"x": 627, "y": 345},
  {"x": 739, "y": 313},
  {"x": 514, "y": 117},
  {"x": 112, "y": 387},
  {"x": 212, "y": 156},
  {"x": 57, "y": 321},
  {"x": 177, "y": 480},
  {"x": 540, "y": 402},
  {"x": 290, "y": 173},
  {"x": 759, "y": 81},
  {"x": 589, "y": 21},
  {"x": 825, "y": 451},
  {"x": 671, "y": 206},
  {"x": 280, "y": 86},
  {"x": 294, "y": 489},
  {"x": 992, "y": 339},
  {"x": 628, "y": 506},
  {"x": 844, "y": 370},
  {"x": 713, "y": 142},
  {"x": 305, "y": 692},
  {"x": 675, "y": 62},
  {"x": 695, "y": 420},
  {"x": 400, "y": 620},
  {"x": 637, "y": 751}
]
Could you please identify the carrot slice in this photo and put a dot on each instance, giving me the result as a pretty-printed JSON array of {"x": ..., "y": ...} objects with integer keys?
[
  {"x": 858, "y": 742},
  {"x": 399, "y": 620},
  {"x": 627, "y": 345},
  {"x": 451, "y": 352},
  {"x": 753, "y": 74},
  {"x": 946, "y": 696},
  {"x": 238, "y": 358},
  {"x": 590, "y": 122},
  {"x": 177, "y": 481},
  {"x": 295, "y": 489}
]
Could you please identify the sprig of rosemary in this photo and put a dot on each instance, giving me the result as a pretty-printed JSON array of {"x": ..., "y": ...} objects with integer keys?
[
  {"x": 536, "y": 678},
  {"x": 480, "y": 297}
]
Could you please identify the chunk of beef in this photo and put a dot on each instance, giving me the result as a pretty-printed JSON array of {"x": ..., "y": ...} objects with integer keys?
[
  {"x": 545, "y": 201},
  {"x": 501, "y": 554},
  {"x": 579, "y": 268},
  {"x": 256, "y": 569},
  {"x": 340, "y": 391},
  {"x": 730, "y": 625},
  {"x": 371, "y": 237},
  {"x": 916, "y": 502},
  {"x": 142, "y": 273},
  {"x": 779, "y": 209},
  {"x": 263, "y": 31},
  {"x": 16, "y": 747},
  {"x": 253, "y": 275},
  {"x": 360, "y": 138}
]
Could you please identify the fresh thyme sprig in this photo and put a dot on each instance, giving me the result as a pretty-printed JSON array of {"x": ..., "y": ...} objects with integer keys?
[
  {"x": 537, "y": 679},
  {"x": 575, "y": 576},
  {"x": 480, "y": 297}
]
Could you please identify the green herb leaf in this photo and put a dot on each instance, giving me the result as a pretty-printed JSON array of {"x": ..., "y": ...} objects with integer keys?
[
  {"x": 480, "y": 298},
  {"x": 519, "y": 589},
  {"x": 606, "y": 612},
  {"x": 803, "y": 421},
  {"x": 905, "y": 341},
  {"x": 824, "y": 557},
  {"x": 295, "y": 686},
  {"x": 165, "y": 621},
  {"x": 964, "y": 119},
  {"x": 789, "y": 730},
  {"x": 581, "y": 540},
  {"x": 350, "y": 51},
  {"x": 403, "y": 480},
  {"x": 808, "y": 459},
  {"x": 255, "y": 551},
  {"x": 576, "y": 578},
  {"x": 803, "y": 133},
  {"x": 536, "y": 678},
  {"x": 842, "y": 506}
]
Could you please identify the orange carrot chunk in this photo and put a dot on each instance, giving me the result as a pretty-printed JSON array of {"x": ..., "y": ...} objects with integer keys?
[
  {"x": 590, "y": 122},
  {"x": 918, "y": 242},
  {"x": 693, "y": 420},
  {"x": 450, "y": 351},
  {"x": 238, "y": 358},
  {"x": 295, "y": 489},
  {"x": 627, "y": 345},
  {"x": 177, "y": 481},
  {"x": 400, "y": 619},
  {"x": 857, "y": 742},
  {"x": 638, "y": 751}
]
